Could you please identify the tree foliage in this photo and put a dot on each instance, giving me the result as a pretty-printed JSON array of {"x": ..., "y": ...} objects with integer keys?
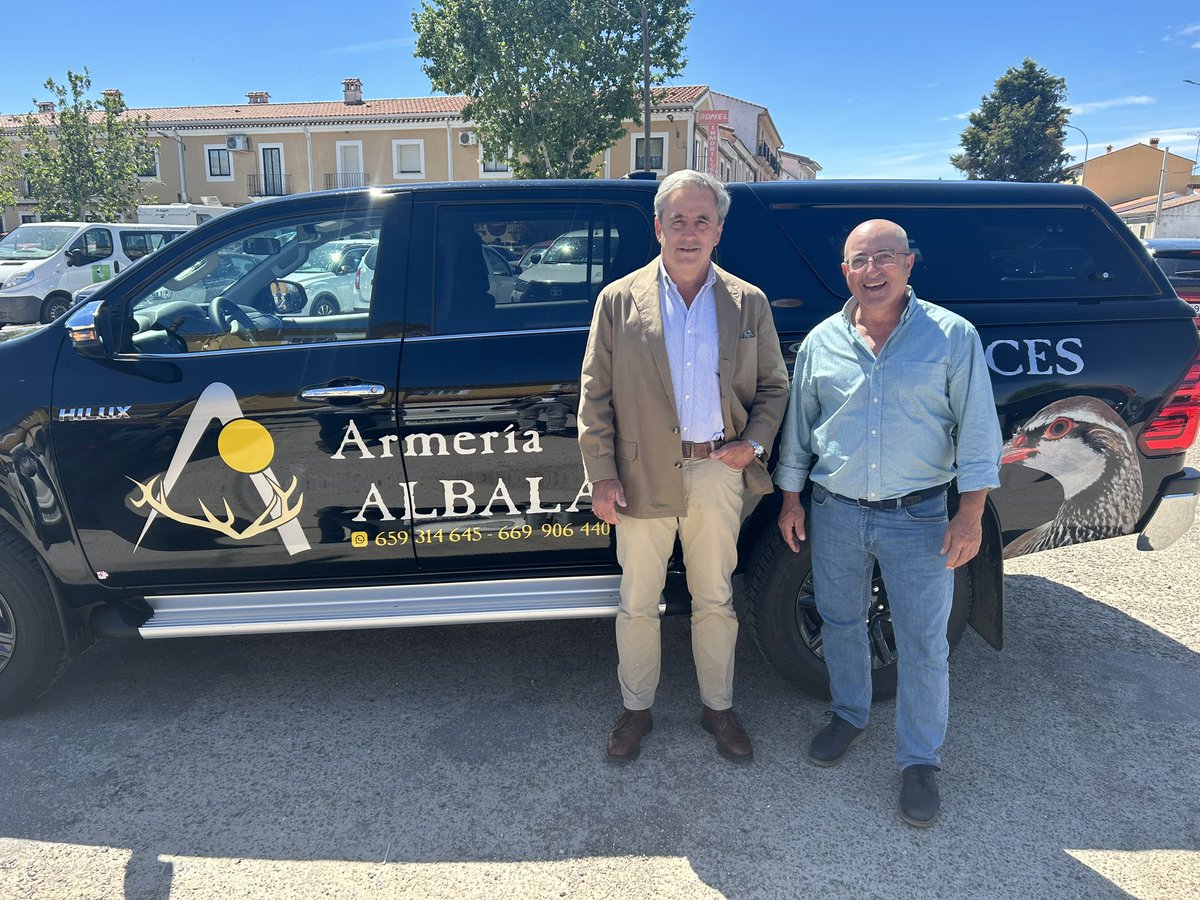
[
  {"x": 1017, "y": 133},
  {"x": 549, "y": 82},
  {"x": 83, "y": 159},
  {"x": 8, "y": 174}
]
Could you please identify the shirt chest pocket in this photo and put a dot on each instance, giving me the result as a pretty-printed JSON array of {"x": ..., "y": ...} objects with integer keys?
[{"x": 922, "y": 388}]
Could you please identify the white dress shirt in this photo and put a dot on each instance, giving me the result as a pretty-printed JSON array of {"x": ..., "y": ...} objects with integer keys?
[{"x": 693, "y": 354}]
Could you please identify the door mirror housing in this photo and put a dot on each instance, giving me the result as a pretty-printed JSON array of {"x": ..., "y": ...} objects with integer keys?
[
  {"x": 76, "y": 257},
  {"x": 89, "y": 330}
]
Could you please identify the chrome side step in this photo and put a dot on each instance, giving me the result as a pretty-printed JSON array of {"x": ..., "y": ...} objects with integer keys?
[{"x": 389, "y": 606}]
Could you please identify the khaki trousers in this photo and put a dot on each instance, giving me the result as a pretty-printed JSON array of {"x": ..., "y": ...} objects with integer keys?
[{"x": 709, "y": 535}]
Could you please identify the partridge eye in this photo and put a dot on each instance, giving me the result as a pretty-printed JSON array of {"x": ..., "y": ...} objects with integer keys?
[{"x": 1059, "y": 428}]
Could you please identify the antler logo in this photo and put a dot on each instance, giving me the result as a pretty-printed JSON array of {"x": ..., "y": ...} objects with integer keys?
[{"x": 243, "y": 445}]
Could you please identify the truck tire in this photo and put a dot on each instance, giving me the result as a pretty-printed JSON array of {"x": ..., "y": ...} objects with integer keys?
[
  {"x": 324, "y": 305},
  {"x": 32, "y": 650},
  {"x": 54, "y": 306},
  {"x": 783, "y": 618}
]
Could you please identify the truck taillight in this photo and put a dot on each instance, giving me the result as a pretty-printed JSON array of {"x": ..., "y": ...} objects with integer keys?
[
  {"x": 1173, "y": 429},
  {"x": 357, "y": 279}
]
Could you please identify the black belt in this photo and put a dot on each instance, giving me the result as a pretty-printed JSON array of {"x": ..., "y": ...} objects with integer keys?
[{"x": 895, "y": 502}]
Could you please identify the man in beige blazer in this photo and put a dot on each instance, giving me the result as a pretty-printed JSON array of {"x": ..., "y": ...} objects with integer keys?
[{"x": 683, "y": 389}]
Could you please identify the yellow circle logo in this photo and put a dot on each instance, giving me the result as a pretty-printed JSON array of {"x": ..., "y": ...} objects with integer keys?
[{"x": 245, "y": 446}]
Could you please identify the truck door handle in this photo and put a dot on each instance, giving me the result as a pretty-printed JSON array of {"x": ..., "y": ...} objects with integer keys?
[
  {"x": 116, "y": 266},
  {"x": 344, "y": 392}
]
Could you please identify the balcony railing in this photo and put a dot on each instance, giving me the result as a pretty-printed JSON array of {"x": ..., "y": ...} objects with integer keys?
[
  {"x": 336, "y": 180},
  {"x": 269, "y": 185}
]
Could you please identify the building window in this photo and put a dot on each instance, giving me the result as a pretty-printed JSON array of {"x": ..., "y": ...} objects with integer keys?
[
  {"x": 408, "y": 159},
  {"x": 494, "y": 166},
  {"x": 656, "y": 153},
  {"x": 151, "y": 171},
  {"x": 218, "y": 162}
]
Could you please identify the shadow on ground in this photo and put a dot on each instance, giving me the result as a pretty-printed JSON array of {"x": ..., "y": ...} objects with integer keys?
[{"x": 485, "y": 743}]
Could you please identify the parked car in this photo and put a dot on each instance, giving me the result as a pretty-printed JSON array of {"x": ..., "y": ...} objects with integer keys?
[
  {"x": 1179, "y": 258},
  {"x": 42, "y": 264},
  {"x": 364, "y": 279},
  {"x": 178, "y": 465},
  {"x": 570, "y": 268},
  {"x": 533, "y": 254},
  {"x": 328, "y": 276}
]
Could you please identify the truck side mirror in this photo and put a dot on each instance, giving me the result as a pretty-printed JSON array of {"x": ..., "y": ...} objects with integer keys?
[
  {"x": 85, "y": 331},
  {"x": 288, "y": 297},
  {"x": 75, "y": 256}
]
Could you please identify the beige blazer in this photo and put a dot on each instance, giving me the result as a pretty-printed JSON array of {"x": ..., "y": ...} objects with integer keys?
[{"x": 628, "y": 424}]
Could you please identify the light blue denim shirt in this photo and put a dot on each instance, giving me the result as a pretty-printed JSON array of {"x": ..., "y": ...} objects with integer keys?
[{"x": 917, "y": 415}]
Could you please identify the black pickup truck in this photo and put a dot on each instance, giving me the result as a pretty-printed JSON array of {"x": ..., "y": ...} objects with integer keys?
[{"x": 190, "y": 453}]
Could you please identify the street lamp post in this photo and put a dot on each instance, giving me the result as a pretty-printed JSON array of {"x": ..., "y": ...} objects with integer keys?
[{"x": 1083, "y": 168}]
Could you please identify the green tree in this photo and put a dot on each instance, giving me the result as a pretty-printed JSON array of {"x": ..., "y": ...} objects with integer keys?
[
  {"x": 549, "y": 83},
  {"x": 1017, "y": 133},
  {"x": 9, "y": 174},
  {"x": 83, "y": 159}
]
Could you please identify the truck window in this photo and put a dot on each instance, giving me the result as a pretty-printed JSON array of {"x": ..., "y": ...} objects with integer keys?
[
  {"x": 254, "y": 291},
  {"x": 982, "y": 254},
  {"x": 523, "y": 267}
]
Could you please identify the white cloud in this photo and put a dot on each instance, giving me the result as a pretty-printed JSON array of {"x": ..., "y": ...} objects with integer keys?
[
  {"x": 1082, "y": 109},
  {"x": 1185, "y": 32},
  {"x": 960, "y": 116},
  {"x": 371, "y": 46}
]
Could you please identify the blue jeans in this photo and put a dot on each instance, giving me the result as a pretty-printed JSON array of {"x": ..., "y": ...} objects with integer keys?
[{"x": 847, "y": 540}]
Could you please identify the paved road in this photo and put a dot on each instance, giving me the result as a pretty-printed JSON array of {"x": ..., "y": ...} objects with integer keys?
[{"x": 450, "y": 762}]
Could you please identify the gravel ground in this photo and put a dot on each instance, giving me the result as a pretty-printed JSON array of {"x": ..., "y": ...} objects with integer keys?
[{"x": 468, "y": 762}]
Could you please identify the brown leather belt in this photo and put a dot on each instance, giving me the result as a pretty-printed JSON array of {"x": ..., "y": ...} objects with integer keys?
[{"x": 700, "y": 449}]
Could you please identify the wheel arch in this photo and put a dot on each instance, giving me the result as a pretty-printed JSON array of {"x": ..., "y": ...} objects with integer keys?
[{"x": 50, "y": 298}]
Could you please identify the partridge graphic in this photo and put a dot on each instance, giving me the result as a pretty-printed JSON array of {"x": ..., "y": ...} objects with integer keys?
[{"x": 1091, "y": 452}]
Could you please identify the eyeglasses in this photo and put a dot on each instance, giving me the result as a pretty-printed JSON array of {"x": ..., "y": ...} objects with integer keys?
[{"x": 884, "y": 259}]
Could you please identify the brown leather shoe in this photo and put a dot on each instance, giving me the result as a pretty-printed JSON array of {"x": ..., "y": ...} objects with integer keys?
[
  {"x": 625, "y": 739},
  {"x": 732, "y": 741}
]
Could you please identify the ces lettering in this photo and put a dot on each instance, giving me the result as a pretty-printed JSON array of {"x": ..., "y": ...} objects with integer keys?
[{"x": 1035, "y": 356}]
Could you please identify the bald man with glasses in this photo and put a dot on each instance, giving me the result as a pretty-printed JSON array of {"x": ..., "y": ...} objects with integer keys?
[{"x": 891, "y": 402}]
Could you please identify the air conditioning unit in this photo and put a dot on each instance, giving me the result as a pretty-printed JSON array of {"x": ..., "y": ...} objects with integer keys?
[
  {"x": 237, "y": 142},
  {"x": 468, "y": 138}
]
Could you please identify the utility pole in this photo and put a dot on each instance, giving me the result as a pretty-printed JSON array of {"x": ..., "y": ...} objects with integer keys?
[
  {"x": 1162, "y": 182},
  {"x": 1083, "y": 168},
  {"x": 646, "y": 86}
]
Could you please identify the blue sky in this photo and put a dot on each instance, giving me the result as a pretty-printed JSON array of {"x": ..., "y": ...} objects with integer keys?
[{"x": 869, "y": 90}]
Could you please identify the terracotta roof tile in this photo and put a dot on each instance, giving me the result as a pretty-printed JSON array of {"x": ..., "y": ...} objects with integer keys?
[
  {"x": 399, "y": 107},
  {"x": 1171, "y": 199}
]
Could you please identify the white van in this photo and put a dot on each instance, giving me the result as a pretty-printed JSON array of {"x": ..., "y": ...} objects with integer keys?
[
  {"x": 43, "y": 263},
  {"x": 180, "y": 213}
]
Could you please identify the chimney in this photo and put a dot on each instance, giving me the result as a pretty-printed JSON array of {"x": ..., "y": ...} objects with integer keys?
[
  {"x": 352, "y": 89},
  {"x": 255, "y": 97},
  {"x": 1153, "y": 142},
  {"x": 112, "y": 94},
  {"x": 45, "y": 106}
]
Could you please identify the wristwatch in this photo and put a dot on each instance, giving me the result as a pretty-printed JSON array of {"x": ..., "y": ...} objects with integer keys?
[{"x": 758, "y": 448}]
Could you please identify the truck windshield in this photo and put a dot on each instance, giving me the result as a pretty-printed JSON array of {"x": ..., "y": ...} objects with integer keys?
[{"x": 35, "y": 241}]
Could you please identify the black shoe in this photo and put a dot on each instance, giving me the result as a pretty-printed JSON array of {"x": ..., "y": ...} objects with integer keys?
[
  {"x": 834, "y": 741},
  {"x": 919, "y": 799}
]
